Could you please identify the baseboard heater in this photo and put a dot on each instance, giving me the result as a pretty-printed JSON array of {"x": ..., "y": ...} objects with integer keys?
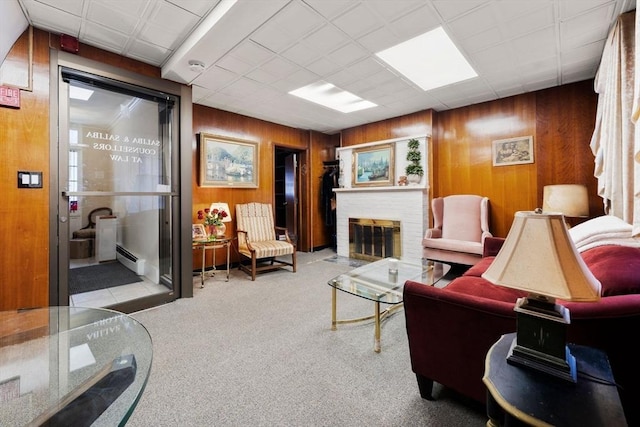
[{"x": 129, "y": 260}]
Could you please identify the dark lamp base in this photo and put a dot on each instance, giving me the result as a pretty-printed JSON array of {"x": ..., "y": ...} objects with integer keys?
[
  {"x": 541, "y": 339},
  {"x": 561, "y": 368}
]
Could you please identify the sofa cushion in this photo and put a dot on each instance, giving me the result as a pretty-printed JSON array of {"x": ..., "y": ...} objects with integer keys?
[
  {"x": 480, "y": 287},
  {"x": 616, "y": 267}
]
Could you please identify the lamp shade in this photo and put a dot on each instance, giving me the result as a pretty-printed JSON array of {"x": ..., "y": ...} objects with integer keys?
[
  {"x": 570, "y": 200},
  {"x": 538, "y": 256},
  {"x": 221, "y": 206}
]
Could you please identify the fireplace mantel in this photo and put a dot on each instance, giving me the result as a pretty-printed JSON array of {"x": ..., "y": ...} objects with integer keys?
[
  {"x": 407, "y": 204},
  {"x": 383, "y": 189}
]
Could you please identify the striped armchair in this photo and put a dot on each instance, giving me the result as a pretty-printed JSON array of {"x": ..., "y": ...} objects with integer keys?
[{"x": 260, "y": 241}]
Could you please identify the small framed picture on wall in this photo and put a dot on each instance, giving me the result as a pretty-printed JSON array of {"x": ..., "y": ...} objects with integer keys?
[{"x": 512, "y": 151}]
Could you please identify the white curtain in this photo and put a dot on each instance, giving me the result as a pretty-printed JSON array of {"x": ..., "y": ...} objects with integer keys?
[{"x": 614, "y": 142}]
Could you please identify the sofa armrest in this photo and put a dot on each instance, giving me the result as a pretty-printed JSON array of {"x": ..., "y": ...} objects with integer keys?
[
  {"x": 492, "y": 246},
  {"x": 449, "y": 334}
]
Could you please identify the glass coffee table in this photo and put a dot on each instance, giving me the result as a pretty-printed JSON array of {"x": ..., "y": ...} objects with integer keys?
[
  {"x": 71, "y": 366},
  {"x": 382, "y": 282}
]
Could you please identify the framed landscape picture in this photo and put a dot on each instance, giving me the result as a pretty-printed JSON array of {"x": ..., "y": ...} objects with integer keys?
[
  {"x": 512, "y": 151},
  {"x": 228, "y": 162},
  {"x": 373, "y": 166}
]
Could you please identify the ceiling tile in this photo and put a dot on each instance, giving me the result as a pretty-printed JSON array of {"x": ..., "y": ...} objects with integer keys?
[
  {"x": 251, "y": 53},
  {"x": 73, "y": 7},
  {"x": 147, "y": 52},
  {"x": 323, "y": 66},
  {"x": 215, "y": 78},
  {"x": 572, "y": 30},
  {"x": 531, "y": 22},
  {"x": 358, "y": 21},
  {"x": 300, "y": 54},
  {"x": 477, "y": 21},
  {"x": 380, "y": 39},
  {"x": 392, "y": 10},
  {"x": 197, "y": 7},
  {"x": 112, "y": 18},
  {"x": 105, "y": 37},
  {"x": 234, "y": 65},
  {"x": 326, "y": 39},
  {"x": 279, "y": 67},
  {"x": 347, "y": 54},
  {"x": 329, "y": 8},
  {"x": 296, "y": 20},
  {"x": 451, "y": 9},
  {"x": 417, "y": 22}
]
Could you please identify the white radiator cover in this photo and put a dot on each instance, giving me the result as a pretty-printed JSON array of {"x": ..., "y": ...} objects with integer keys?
[{"x": 409, "y": 205}]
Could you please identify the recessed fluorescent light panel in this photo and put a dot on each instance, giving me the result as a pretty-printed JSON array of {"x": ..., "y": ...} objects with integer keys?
[
  {"x": 430, "y": 60},
  {"x": 80, "y": 93},
  {"x": 330, "y": 96}
]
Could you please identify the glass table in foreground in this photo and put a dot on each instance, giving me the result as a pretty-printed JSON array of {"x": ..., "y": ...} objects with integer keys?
[
  {"x": 382, "y": 282},
  {"x": 71, "y": 366}
]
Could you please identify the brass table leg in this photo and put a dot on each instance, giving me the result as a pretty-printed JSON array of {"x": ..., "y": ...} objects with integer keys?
[
  {"x": 228, "y": 244},
  {"x": 376, "y": 338},
  {"x": 204, "y": 257},
  {"x": 333, "y": 308}
]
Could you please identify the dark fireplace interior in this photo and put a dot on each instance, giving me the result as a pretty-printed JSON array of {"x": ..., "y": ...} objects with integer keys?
[{"x": 373, "y": 239}]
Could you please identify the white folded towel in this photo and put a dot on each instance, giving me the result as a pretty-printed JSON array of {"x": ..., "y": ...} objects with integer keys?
[{"x": 603, "y": 230}]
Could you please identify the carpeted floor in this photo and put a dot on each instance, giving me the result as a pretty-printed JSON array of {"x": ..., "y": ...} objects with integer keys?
[
  {"x": 100, "y": 276},
  {"x": 243, "y": 353}
]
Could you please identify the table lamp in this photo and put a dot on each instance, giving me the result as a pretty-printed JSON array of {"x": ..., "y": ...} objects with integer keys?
[
  {"x": 571, "y": 200},
  {"x": 539, "y": 257},
  {"x": 221, "y": 206}
]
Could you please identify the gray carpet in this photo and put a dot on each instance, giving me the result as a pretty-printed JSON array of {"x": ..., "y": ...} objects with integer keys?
[
  {"x": 100, "y": 276},
  {"x": 243, "y": 353}
]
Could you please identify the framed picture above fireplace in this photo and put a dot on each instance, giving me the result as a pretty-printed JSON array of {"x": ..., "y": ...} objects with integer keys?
[{"x": 373, "y": 166}]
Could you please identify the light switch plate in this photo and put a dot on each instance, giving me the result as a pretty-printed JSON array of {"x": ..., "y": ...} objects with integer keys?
[{"x": 28, "y": 179}]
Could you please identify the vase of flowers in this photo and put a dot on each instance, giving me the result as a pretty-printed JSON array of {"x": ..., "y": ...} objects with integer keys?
[{"x": 213, "y": 221}]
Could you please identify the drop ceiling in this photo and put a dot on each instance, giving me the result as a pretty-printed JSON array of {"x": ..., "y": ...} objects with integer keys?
[{"x": 262, "y": 49}]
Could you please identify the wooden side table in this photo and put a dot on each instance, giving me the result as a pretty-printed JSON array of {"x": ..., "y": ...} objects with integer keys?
[
  {"x": 521, "y": 397},
  {"x": 213, "y": 244}
]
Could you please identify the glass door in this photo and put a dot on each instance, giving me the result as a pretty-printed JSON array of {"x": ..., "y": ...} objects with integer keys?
[{"x": 117, "y": 156}]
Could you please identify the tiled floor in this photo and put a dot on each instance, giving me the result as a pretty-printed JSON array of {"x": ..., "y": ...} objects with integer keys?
[{"x": 110, "y": 296}]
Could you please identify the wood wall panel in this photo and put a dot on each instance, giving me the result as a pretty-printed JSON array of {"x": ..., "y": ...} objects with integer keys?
[
  {"x": 268, "y": 135},
  {"x": 409, "y": 125},
  {"x": 565, "y": 118},
  {"x": 463, "y": 156},
  {"x": 560, "y": 120},
  {"x": 24, "y": 145}
]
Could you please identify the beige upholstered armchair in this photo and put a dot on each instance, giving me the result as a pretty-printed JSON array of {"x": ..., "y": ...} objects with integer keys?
[
  {"x": 460, "y": 225},
  {"x": 260, "y": 241}
]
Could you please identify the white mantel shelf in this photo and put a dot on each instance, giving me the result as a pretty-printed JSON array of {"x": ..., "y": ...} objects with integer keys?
[{"x": 389, "y": 188}]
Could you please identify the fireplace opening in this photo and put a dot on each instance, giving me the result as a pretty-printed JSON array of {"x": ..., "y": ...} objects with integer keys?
[{"x": 373, "y": 239}]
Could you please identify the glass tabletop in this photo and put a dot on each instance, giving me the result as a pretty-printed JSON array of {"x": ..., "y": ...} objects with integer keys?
[
  {"x": 67, "y": 364},
  {"x": 375, "y": 281}
]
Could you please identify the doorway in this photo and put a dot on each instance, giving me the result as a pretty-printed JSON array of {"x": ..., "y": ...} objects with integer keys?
[
  {"x": 117, "y": 161},
  {"x": 286, "y": 188}
]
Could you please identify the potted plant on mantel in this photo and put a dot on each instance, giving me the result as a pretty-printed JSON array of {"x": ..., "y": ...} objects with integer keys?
[{"x": 414, "y": 169}]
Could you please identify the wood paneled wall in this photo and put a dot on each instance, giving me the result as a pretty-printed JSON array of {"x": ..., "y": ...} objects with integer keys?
[
  {"x": 419, "y": 123},
  {"x": 314, "y": 147},
  {"x": 561, "y": 121},
  {"x": 24, "y": 146}
]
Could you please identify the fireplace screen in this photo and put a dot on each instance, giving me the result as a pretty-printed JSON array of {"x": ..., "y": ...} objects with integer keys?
[{"x": 373, "y": 239}]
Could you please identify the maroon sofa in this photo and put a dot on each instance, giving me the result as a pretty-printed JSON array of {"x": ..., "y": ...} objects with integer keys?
[{"x": 451, "y": 329}]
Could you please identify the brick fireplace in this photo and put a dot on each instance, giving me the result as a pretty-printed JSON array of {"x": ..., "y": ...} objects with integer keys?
[{"x": 405, "y": 206}]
